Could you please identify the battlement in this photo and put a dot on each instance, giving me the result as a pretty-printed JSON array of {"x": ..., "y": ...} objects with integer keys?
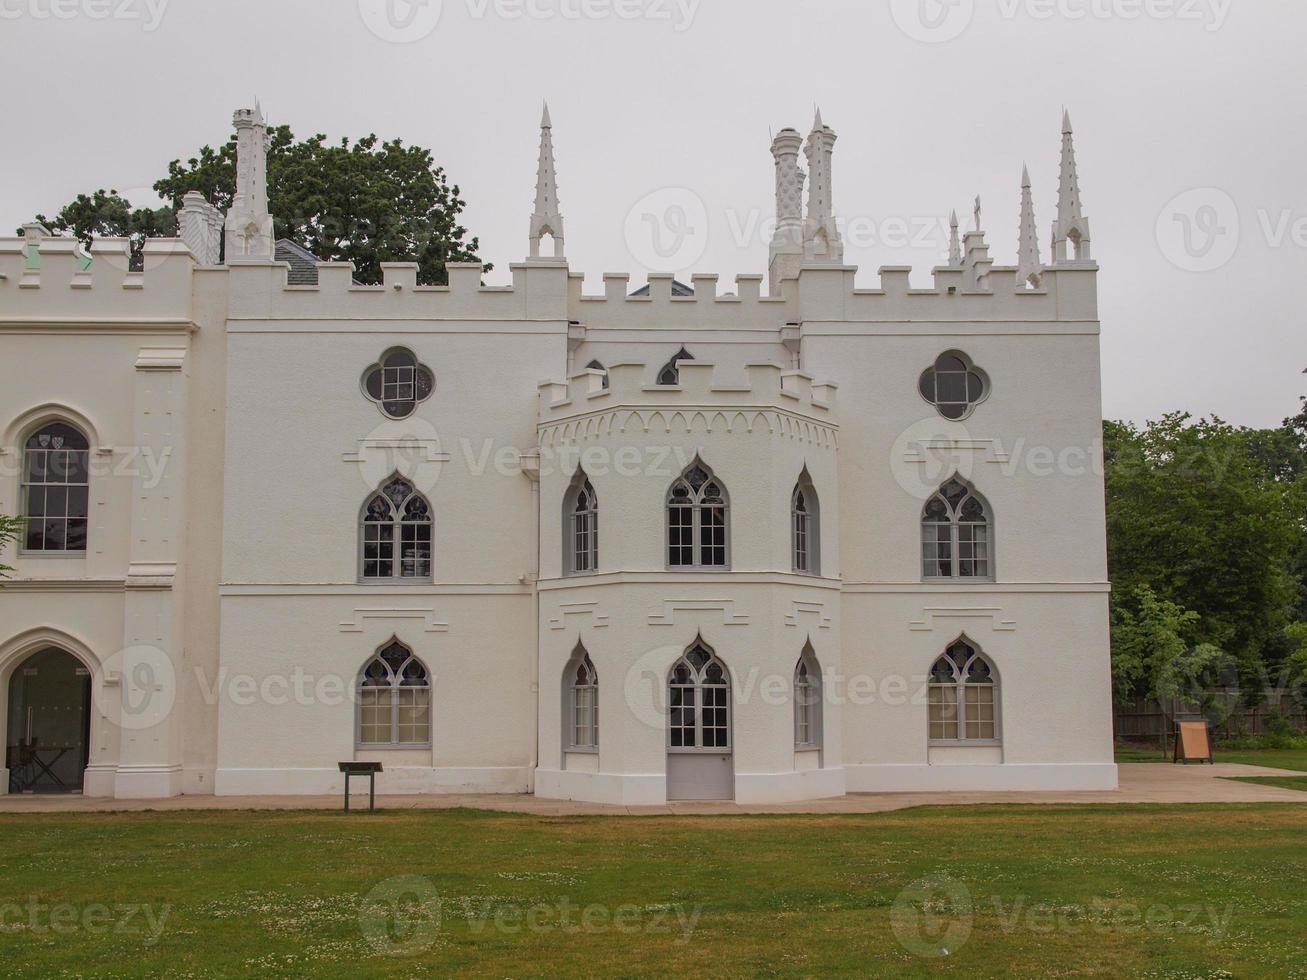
[
  {"x": 632, "y": 385},
  {"x": 52, "y": 279}
]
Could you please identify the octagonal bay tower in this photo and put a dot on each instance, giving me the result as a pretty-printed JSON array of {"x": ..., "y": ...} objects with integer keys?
[{"x": 674, "y": 608}]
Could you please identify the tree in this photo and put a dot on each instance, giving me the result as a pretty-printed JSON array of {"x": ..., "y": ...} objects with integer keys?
[
  {"x": 10, "y": 530},
  {"x": 366, "y": 202},
  {"x": 1153, "y": 656},
  {"x": 1202, "y": 515}
]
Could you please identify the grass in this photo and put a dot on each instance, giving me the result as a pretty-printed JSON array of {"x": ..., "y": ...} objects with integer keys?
[
  {"x": 1283, "y": 782},
  {"x": 1039, "y": 890},
  {"x": 1295, "y": 759}
]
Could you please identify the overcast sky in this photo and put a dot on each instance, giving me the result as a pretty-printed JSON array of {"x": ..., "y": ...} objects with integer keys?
[{"x": 1189, "y": 118}]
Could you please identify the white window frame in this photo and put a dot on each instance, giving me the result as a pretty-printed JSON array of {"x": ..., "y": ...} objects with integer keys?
[
  {"x": 399, "y": 381},
  {"x": 572, "y": 527},
  {"x": 955, "y": 526},
  {"x": 928, "y": 385},
  {"x": 805, "y": 528},
  {"x": 958, "y": 686},
  {"x": 808, "y": 703},
  {"x": 395, "y": 688},
  {"x": 26, "y": 486},
  {"x": 696, "y": 507},
  {"x": 573, "y": 703},
  {"x": 395, "y": 527},
  {"x": 698, "y": 685}
]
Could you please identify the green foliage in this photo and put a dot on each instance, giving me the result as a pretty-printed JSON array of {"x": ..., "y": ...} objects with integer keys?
[
  {"x": 366, "y": 202},
  {"x": 1205, "y": 517},
  {"x": 10, "y": 529}
]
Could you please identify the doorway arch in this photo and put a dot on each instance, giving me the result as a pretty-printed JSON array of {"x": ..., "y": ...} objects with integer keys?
[
  {"x": 700, "y": 748},
  {"x": 48, "y": 723}
]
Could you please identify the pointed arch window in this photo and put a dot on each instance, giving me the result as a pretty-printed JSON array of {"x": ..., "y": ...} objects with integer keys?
[
  {"x": 581, "y": 527},
  {"x": 698, "y": 513},
  {"x": 699, "y": 696},
  {"x": 398, "y": 383},
  {"x": 394, "y": 700},
  {"x": 807, "y": 701},
  {"x": 954, "y": 385},
  {"x": 956, "y": 535},
  {"x": 963, "y": 697},
  {"x": 598, "y": 366},
  {"x": 671, "y": 372},
  {"x": 805, "y": 527},
  {"x": 397, "y": 533},
  {"x": 56, "y": 490},
  {"x": 582, "y": 701}
]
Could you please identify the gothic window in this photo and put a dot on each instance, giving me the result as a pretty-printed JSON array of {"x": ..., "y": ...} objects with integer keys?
[
  {"x": 582, "y": 720},
  {"x": 56, "y": 490},
  {"x": 697, "y": 520},
  {"x": 956, "y": 535},
  {"x": 805, "y": 527},
  {"x": 394, "y": 700},
  {"x": 954, "y": 385},
  {"x": 963, "y": 698},
  {"x": 671, "y": 372},
  {"x": 397, "y": 532},
  {"x": 598, "y": 366},
  {"x": 398, "y": 383},
  {"x": 699, "y": 697},
  {"x": 807, "y": 701},
  {"x": 581, "y": 527}
]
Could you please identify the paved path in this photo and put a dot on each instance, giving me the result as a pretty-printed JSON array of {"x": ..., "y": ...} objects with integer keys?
[{"x": 1140, "y": 783}]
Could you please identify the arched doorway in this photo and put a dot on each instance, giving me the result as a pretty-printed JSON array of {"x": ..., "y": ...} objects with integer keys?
[
  {"x": 700, "y": 760},
  {"x": 49, "y": 731}
]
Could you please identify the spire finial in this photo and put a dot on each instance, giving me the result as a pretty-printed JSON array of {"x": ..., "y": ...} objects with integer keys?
[
  {"x": 822, "y": 241},
  {"x": 817, "y": 123},
  {"x": 249, "y": 226},
  {"x": 1071, "y": 229},
  {"x": 547, "y": 218},
  {"x": 977, "y": 212},
  {"x": 1029, "y": 272},
  {"x": 954, "y": 241}
]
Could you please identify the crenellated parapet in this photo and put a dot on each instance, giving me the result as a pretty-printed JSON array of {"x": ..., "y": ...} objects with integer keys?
[
  {"x": 51, "y": 279},
  {"x": 594, "y": 404}
]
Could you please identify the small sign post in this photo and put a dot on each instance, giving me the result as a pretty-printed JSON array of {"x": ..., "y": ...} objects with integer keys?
[
  {"x": 1193, "y": 743},
  {"x": 369, "y": 769}
]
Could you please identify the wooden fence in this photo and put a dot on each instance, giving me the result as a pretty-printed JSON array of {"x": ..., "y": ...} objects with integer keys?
[{"x": 1146, "y": 721}]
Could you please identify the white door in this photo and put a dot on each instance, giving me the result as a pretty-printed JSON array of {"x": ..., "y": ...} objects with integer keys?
[{"x": 700, "y": 762}]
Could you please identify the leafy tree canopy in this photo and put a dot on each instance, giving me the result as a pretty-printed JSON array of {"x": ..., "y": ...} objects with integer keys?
[
  {"x": 10, "y": 529},
  {"x": 366, "y": 202}
]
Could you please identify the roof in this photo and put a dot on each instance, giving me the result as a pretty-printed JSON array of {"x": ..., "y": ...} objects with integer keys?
[
  {"x": 303, "y": 263},
  {"x": 678, "y": 289}
]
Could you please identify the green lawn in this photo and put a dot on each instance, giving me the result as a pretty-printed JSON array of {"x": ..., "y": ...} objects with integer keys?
[
  {"x": 1283, "y": 782},
  {"x": 1197, "y": 891},
  {"x": 1295, "y": 759}
]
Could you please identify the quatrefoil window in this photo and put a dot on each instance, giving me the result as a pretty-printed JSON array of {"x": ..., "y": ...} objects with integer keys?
[
  {"x": 398, "y": 383},
  {"x": 954, "y": 385}
]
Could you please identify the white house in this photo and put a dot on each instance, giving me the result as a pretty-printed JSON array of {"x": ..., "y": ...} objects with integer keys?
[{"x": 771, "y": 542}]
